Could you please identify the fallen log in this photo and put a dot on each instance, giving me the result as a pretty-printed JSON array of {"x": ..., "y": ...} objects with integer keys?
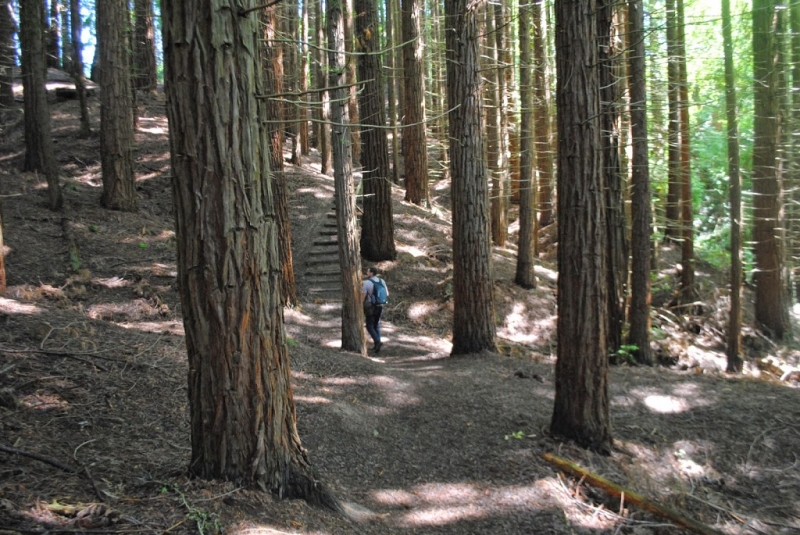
[{"x": 638, "y": 500}]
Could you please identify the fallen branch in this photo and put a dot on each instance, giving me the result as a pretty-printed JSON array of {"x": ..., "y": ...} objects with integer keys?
[
  {"x": 636, "y": 499},
  {"x": 39, "y": 457}
]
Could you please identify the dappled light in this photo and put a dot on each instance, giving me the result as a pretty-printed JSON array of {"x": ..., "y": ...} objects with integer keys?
[{"x": 12, "y": 306}]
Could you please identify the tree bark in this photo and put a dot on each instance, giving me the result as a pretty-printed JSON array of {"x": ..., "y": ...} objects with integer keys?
[
  {"x": 415, "y": 147},
  {"x": 541, "y": 124},
  {"x": 353, "y": 335},
  {"x": 733, "y": 349},
  {"x": 673, "y": 208},
  {"x": 144, "y": 47},
  {"x": 525, "y": 275},
  {"x": 689, "y": 291},
  {"x": 242, "y": 411},
  {"x": 474, "y": 327},
  {"x": 581, "y": 411},
  {"x": 639, "y": 315},
  {"x": 116, "y": 107},
  {"x": 377, "y": 224},
  {"x": 324, "y": 133},
  {"x": 39, "y": 154},
  {"x": 771, "y": 311}
]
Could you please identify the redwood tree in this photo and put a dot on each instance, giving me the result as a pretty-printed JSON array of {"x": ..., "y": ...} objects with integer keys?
[
  {"x": 39, "y": 155},
  {"x": 242, "y": 411},
  {"x": 414, "y": 144},
  {"x": 144, "y": 49},
  {"x": 474, "y": 327},
  {"x": 581, "y": 411},
  {"x": 377, "y": 225},
  {"x": 771, "y": 311},
  {"x": 116, "y": 106}
]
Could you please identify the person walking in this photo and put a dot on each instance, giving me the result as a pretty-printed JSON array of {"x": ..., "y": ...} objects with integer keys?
[{"x": 375, "y": 294}]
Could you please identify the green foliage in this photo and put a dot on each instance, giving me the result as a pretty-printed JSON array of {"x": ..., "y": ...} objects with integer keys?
[
  {"x": 626, "y": 354},
  {"x": 519, "y": 435}
]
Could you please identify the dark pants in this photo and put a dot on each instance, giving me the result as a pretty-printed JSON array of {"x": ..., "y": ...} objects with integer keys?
[{"x": 373, "y": 317}]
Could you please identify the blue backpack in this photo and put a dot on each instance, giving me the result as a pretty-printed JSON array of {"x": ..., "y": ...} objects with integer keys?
[{"x": 378, "y": 295}]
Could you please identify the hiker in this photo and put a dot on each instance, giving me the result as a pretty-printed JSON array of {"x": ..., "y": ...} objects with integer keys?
[{"x": 375, "y": 294}]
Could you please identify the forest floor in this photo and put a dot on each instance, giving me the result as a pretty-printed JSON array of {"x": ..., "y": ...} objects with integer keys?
[{"x": 93, "y": 385}]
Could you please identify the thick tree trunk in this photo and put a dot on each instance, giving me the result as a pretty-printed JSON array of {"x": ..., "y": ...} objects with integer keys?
[
  {"x": 243, "y": 420},
  {"x": 116, "y": 103},
  {"x": 673, "y": 208},
  {"x": 689, "y": 292},
  {"x": 353, "y": 335},
  {"x": 377, "y": 225},
  {"x": 415, "y": 147},
  {"x": 581, "y": 411},
  {"x": 771, "y": 311},
  {"x": 39, "y": 154},
  {"x": 473, "y": 320},
  {"x": 492, "y": 97},
  {"x": 273, "y": 84},
  {"x": 525, "y": 275},
  {"x": 639, "y": 315},
  {"x": 391, "y": 40}
]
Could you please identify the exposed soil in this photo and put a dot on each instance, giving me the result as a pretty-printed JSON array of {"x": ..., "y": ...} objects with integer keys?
[{"x": 93, "y": 382}]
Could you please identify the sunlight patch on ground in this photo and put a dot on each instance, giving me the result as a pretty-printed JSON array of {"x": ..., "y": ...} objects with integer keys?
[
  {"x": 268, "y": 530},
  {"x": 683, "y": 397},
  {"x": 11, "y": 306},
  {"x": 410, "y": 249},
  {"x": 316, "y": 400},
  {"x": 113, "y": 282},
  {"x": 419, "y": 310},
  {"x": 438, "y": 504},
  {"x": 159, "y": 327},
  {"x": 43, "y": 402},
  {"x": 397, "y": 392}
]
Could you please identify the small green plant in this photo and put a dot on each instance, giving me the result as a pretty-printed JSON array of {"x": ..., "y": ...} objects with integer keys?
[
  {"x": 291, "y": 342},
  {"x": 207, "y": 522},
  {"x": 626, "y": 354},
  {"x": 519, "y": 435},
  {"x": 142, "y": 245}
]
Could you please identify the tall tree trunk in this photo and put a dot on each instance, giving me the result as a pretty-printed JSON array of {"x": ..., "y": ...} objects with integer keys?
[
  {"x": 391, "y": 41},
  {"x": 144, "y": 47},
  {"x": 734, "y": 346},
  {"x": 491, "y": 68},
  {"x": 52, "y": 35},
  {"x": 474, "y": 327},
  {"x": 503, "y": 94},
  {"x": 273, "y": 83},
  {"x": 377, "y": 225},
  {"x": 116, "y": 102},
  {"x": 639, "y": 316},
  {"x": 673, "y": 208},
  {"x": 771, "y": 311},
  {"x": 39, "y": 154},
  {"x": 525, "y": 275},
  {"x": 291, "y": 79},
  {"x": 302, "y": 125},
  {"x": 350, "y": 79},
  {"x": 541, "y": 123},
  {"x": 581, "y": 410},
  {"x": 66, "y": 36},
  {"x": 617, "y": 250},
  {"x": 689, "y": 291},
  {"x": 7, "y": 53},
  {"x": 242, "y": 411},
  {"x": 353, "y": 335},
  {"x": 793, "y": 219},
  {"x": 415, "y": 147},
  {"x": 324, "y": 134}
]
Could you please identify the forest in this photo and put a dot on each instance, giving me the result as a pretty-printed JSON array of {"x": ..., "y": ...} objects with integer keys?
[{"x": 585, "y": 212}]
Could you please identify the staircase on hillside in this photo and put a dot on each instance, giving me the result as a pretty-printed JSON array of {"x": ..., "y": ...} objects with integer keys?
[{"x": 323, "y": 272}]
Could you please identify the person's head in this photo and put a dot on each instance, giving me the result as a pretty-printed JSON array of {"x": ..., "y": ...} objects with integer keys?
[{"x": 372, "y": 271}]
